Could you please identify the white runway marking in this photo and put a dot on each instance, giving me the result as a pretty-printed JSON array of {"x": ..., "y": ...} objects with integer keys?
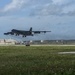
[{"x": 66, "y": 52}]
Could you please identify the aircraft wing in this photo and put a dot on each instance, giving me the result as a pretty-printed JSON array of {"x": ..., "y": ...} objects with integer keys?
[{"x": 38, "y": 32}]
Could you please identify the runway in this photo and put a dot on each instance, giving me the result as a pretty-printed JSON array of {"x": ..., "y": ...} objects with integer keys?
[
  {"x": 51, "y": 45},
  {"x": 38, "y": 45}
]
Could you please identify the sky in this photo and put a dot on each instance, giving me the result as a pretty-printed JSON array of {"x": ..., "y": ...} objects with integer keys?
[{"x": 55, "y": 15}]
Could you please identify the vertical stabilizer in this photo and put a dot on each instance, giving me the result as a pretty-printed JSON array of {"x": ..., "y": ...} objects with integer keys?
[{"x": 30, "y": 29}]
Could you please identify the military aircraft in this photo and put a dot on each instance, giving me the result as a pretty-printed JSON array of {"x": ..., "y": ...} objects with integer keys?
[{"x": 24, "y": 33}]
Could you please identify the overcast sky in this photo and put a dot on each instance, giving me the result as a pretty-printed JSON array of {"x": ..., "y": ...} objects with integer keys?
[{"x": 55, "y": 15}]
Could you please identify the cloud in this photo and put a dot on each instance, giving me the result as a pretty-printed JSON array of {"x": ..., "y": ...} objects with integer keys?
[
  {"x": 42, "y": 7},
  {"x": 15, "y": 4},
  {"x": 69, "y": 10},
  {"x": 62, "y": 2},
  {"x": 58, "y": 1},
  {"x": 57, "y": 7}
]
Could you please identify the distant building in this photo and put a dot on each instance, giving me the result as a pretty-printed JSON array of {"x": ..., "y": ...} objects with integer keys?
[
  {"x": 36, "y": 42},
  {"x": 59, "y": 42},
  {"x": 7, "y": 42}
]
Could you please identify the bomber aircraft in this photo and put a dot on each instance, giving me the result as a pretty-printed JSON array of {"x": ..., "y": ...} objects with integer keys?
[{"x": 24, "y": 33}]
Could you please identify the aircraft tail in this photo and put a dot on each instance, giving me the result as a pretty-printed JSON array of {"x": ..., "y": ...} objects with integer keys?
[{"x": 30, "y": 29}]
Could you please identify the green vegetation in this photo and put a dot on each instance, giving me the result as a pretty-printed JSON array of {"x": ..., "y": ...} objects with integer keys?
[{"x": 43, "y": 60}]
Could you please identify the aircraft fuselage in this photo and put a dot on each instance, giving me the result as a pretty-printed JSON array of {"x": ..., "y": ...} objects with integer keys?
[{"x": 20, "y": 32}]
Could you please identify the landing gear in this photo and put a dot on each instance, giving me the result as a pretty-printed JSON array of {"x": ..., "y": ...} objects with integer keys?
[
  {"x": 23, "y": 36},
  {"x": 32, "y": 34}
]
